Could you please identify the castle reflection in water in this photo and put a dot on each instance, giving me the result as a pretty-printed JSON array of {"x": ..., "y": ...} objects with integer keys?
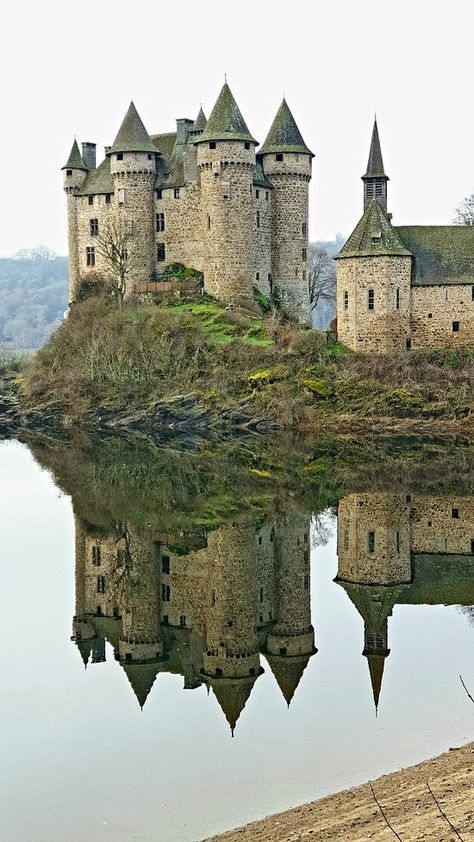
[{"x": 208, "y": 604}]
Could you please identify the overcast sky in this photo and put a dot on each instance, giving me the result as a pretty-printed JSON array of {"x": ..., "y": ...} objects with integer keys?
[{"x": 71, "y": 69}]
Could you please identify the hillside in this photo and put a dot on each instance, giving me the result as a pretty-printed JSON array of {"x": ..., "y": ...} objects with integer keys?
[{"x": 33, "y": 297}]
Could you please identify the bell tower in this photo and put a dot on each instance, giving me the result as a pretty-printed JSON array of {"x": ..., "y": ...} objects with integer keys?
[{"x": 375, "y": 180}]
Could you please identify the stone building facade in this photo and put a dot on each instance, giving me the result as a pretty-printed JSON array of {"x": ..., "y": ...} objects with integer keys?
[
  {"x": 401, "y": 287},
  {"x": 203, "y": 196}
]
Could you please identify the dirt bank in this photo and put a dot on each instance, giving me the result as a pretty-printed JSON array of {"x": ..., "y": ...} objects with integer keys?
[{"x": 411, "y": 810}]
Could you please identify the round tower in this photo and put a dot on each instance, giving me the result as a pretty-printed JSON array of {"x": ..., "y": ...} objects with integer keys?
[
  {"x": 226, "y": 164},
  {"x": 74, "y": 173},
  {"x": 133, "y": 171},
  {"x": 286, "y": 162}
]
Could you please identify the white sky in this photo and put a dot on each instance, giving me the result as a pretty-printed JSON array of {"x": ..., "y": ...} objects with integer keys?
[{"x": 72, "y": 68}]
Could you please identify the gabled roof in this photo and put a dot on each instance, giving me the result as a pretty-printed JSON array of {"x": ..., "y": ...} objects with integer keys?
[
  {"x": 444, "y": 254},
  {"x": 284, "y": 134},
  {"x": 226, "y": 121},
  {"x": 98, "y": 181},
  {"x": 375, "y": 163},
  {"x": 74, "y": 162},
  {"x": 132, "y": 135},
  {"x": 373, "y": 235}
]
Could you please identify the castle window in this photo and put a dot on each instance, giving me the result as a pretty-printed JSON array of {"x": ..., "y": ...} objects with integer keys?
[
  {"x": 369, "y": 189},
  {"x": 397, "y": 302},
  {"x": 208, "y": 222},
  {"x": 182, "y": 621},
  {"x": 282, "y": 650},
  {"x": 212, "y": 144},
  {"x": 260, "y": 540},
  {"x": 165, "y": 564},
  {"x": 304, "y": 275},
  {"x": 261, "y": 595},
  {"x": 279, "y": 156},
  {"x": 455, "y": 513},
  {"x": 430, "y": 315},
  {"x": 304, "y": 229},
  {"x": 165, "y": 593},
  {"x": 107, "y": 198},
  {"x": 160, "y": 252},
  {"x": 218, "y": 672},
  {"x": 119, "y": 156},
  {"x": 306, "y": 555},
  {"x": 346, "y": 299},
  {"x": 304, "y": 254},
  {"x": 159, "y": 194},
  {"x": 121, "y": 196},
  {"x": 455, "y": 327},
  {"x": 258, "y": 219},
  {"x": 346, "y": 539},
  {"x": 91, "y": 200},
  {"x": 446, "y": 295},
  {"x": 100, "y": 584},
  {"x": 99, "y": 610},
  {"x": 230, "y": 623},
  {"x": 408, "y": 343},
  {"x": 472, "y": 546},
  {"x": 371, "y": 299},
  {"x": 398, "y": 542},
  {"x": 176, "y": 192},
  {"x": 257, "y": 194},
  {"x": 160, "y": 222},
  {"x": 94, "y": 227},
  {"x": 213, "y": 598},
  {"x": 257, "y": 276},
  {"x": 472, "y": 293},
  {"x": 90, "y": 256},
  {"x": 149, "y": 157},
  {"x": 247, "y": 145},
  {"x": 165, "y": 619},
  {"x": 267, "y": 197},
  {"x": 68, "y": 172},
  {"x": 379, "y": 187},
  {"x": 96, "y": 556},
  {"x": 370, "y": 542},
  {"x": 376, "y": 241}
]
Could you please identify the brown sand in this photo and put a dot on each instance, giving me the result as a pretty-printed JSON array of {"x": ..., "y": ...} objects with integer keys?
[{"x": 354, "y": 815}]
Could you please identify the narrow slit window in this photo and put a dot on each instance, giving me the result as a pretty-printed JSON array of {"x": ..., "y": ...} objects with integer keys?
[
  {"x": 455, "y": 327},
  {"x": 371, "y": 299},
  {"x": 371, "y": 542},
  {"x": 160, "y": 252},
  {"x": 346, "y": 299},
  {"x": 397, "y": 299}
]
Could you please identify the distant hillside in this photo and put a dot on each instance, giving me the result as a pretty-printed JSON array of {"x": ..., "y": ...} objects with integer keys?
[{"x": 33, "y": 297}]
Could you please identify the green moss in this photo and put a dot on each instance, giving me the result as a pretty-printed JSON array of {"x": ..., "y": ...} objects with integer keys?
[{"x": 319, "y": 387}]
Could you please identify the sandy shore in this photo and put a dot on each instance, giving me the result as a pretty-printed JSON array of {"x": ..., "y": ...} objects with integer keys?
[{"x": 403, "y": 796}]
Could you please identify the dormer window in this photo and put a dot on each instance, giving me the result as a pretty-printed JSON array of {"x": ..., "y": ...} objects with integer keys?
[{"x": 376, "y": 238}]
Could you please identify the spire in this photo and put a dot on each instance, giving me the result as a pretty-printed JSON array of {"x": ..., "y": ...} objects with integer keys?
[
  {"x": 85, "y": 649},
  {"x": 375, "y": 180},
  {"x": 375, "y": 163},
  {"x": 376, "y": 666},
  {"x": 226, "y": 121},
  {"x": 75, "y": 162},
  {"x": 200, "y": 122},
  {"x": 284, "y": 134},
  {"x": 132, "y": 135},
  {"x": 288, "y": 672},
  {"x": 232, "y": 695},
  {"x": 141, "y": 678}
]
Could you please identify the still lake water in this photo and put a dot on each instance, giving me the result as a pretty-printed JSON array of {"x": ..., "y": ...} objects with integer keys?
[{"x": 81, "y": 760}]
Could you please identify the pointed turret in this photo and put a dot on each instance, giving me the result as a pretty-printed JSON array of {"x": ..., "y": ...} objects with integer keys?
[
  {"x": 226, "y": 121},
  {"x": 132, "y": 135},
  {"x": 74, "y": 162},
  {"x": 142, "y": 678},
  {"x": 376, "y": 666},
  {"x": 375, "y": 180},
  {"x": 85, "y": 649},
  {"x": 284, "y": 134},
  {"x": 200, "y": 122},
  {"x": 288, "y": 672},
  {"x": 232, "y": 695}
]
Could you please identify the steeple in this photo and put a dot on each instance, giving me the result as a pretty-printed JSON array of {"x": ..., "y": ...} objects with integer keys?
[
  {"x": 141, "y": 678},
  {"x": 375, "y": 180},
  {"x": 75, "y": 162},
  {"x": 200, "y": 122},
  {"x": 288, "y": 672},
  {"x": 376, "y": 664},
  {"x": 132, "y": 135},
  {"x": 232, "y": 695},
  {"x": 226, "y": 121},
  {"x": 284, "y": 134}
]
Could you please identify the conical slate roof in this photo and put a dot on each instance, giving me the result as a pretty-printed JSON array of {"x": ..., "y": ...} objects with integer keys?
[
  {"x": 288, "y": 672},
  {"x": 200, "y": 122},
  {"x": 75, "y": 162},
  {"x": 132, "y": 135},
  {"x": 284, "y": 134},
  {"x": 141, "y": 678},
  {"x": 85, "y": 649},
  {"x": 226, "y": 121},
  {"x": 232, "y": 695},
  {"x": 373, "y": 235},
  {"x": 375, "y": 163},
  {"x": 376, "y": 667}
]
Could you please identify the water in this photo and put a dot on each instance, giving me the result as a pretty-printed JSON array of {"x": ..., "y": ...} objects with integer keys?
[{"x": 82, "y": 760}]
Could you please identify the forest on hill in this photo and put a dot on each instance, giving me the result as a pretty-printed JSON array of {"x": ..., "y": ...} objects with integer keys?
[{"x": 33, "y": 297}]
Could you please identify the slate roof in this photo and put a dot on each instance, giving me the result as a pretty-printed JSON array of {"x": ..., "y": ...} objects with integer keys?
[
  {"x": 169, "y": 164},
  {"x": 74, "y": 162},
  {"x": 226, "y": 121},
  {"x": 98, "y": 180},
  {"x": 284, "y": 134},
  {"x": 374, "y": 225},
  {"x": 444, "y": 254},
  {"x": 132, "y": 135},
  {"x": 288, "y": 672},
  {"x": 259, "y": 177},
  {"x": 232, "y": 695},
  {"x": 200, "y": 122},
  {"x": 375, "y": 167}
]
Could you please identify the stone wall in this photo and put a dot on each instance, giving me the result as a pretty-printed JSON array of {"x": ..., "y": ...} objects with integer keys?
[
  {"x": 133, "y": 179},
  {"x": 386, "y": 328},
  {"x": 182, "y": 236},
  {"x": 262, "y": 238},
  {"x": 103, "y": 212},
  {"x": 442, "y": 525},
  {"x": 72, "y": 184},
  {"x": 435, "y": 309}
]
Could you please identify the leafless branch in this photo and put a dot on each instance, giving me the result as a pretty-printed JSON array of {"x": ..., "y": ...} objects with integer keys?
[
  {"x": 443, "y": 813},
  {"x": 464, "y": 213},
  {"x": 113, "y": 246},
  {"x": 321, "y": 277},
  {"x": 467, "y": 691},
  {"x": 383, "y": 813}
]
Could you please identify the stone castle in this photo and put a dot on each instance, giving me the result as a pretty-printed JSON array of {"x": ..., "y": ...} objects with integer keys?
[
  {"x": 403, "y": 287},
  {"x": 201, "y": 196}
]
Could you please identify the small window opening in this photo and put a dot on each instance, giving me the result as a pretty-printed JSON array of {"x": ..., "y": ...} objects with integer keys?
[
  {"x": 91, "y": 200},
  {"x": 279, "y": 157},
  {"x": 108, "y": 198},
  {"x": 182, "y": 621},
  {"x": 346, "y": 299},
  {"x": 218, "y": 672},
  {"x": 398, "y": 542},
  {"x": 159, "y": 194},
  {"x": 257, "y": 194},
  {"x": 90, "y": 256},
  {"x": 160, "y": 222},
  {"x": 371, "y": 299},
  {"x": 455, "y": 514},
  {"x": 165, "y": 593},
  {"x": 247, "y": 145},
  {"x": 68, "y": 172},
  {"x": 119, "y": 156},
  {"x": 430, "y": 315},
  {"x": 96, "y": 556},
  {"x": 455, "y": 327},
  {"x": 165, "y": 564},
  {"x": 397, "y": 302},
  {"x": 267, "y": 197},
  {"x": 306, "y": 581},
  {"x": 258, "y": 219},
  {"x": 408, "y": 343},
  {"x": 261, "y": 594},
  {"x": 100, "y": 584},
  {"x": 212, "y": 144},
  {"x": 208, "y": 222},
  {"x": 282, "y": 650},
  {"x": 304, "y": 229},
  {"x": 176, "y": 192},
  {"x": 160, "y": 252},
  {"x": 346, "y": 539},
  {"x": 304, "y": 254},
  {"x": 94, "y": 227},
  {"x": 371, "y": 542}
]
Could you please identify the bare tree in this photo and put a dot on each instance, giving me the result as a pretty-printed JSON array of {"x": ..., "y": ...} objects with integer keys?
[
  {"x": 321, "y": 277},
  {"x": 464, "y": 212},
  {"x": 112, "y": 246}
]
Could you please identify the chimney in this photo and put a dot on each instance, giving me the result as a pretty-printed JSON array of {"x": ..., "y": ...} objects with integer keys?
[
  {"x": 183, "y": 126},
  {"x": 88, "y": 155},
  {"x": 107, "y": 150}
]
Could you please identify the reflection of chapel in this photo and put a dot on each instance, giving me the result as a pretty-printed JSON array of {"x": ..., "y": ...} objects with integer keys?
[{"x": 205, "y": 606}]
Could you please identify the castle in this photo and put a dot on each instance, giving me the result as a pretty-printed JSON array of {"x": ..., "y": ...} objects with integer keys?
[
  {"x": 403, "y": 287},
  {"x": 201, "y": 196}
]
